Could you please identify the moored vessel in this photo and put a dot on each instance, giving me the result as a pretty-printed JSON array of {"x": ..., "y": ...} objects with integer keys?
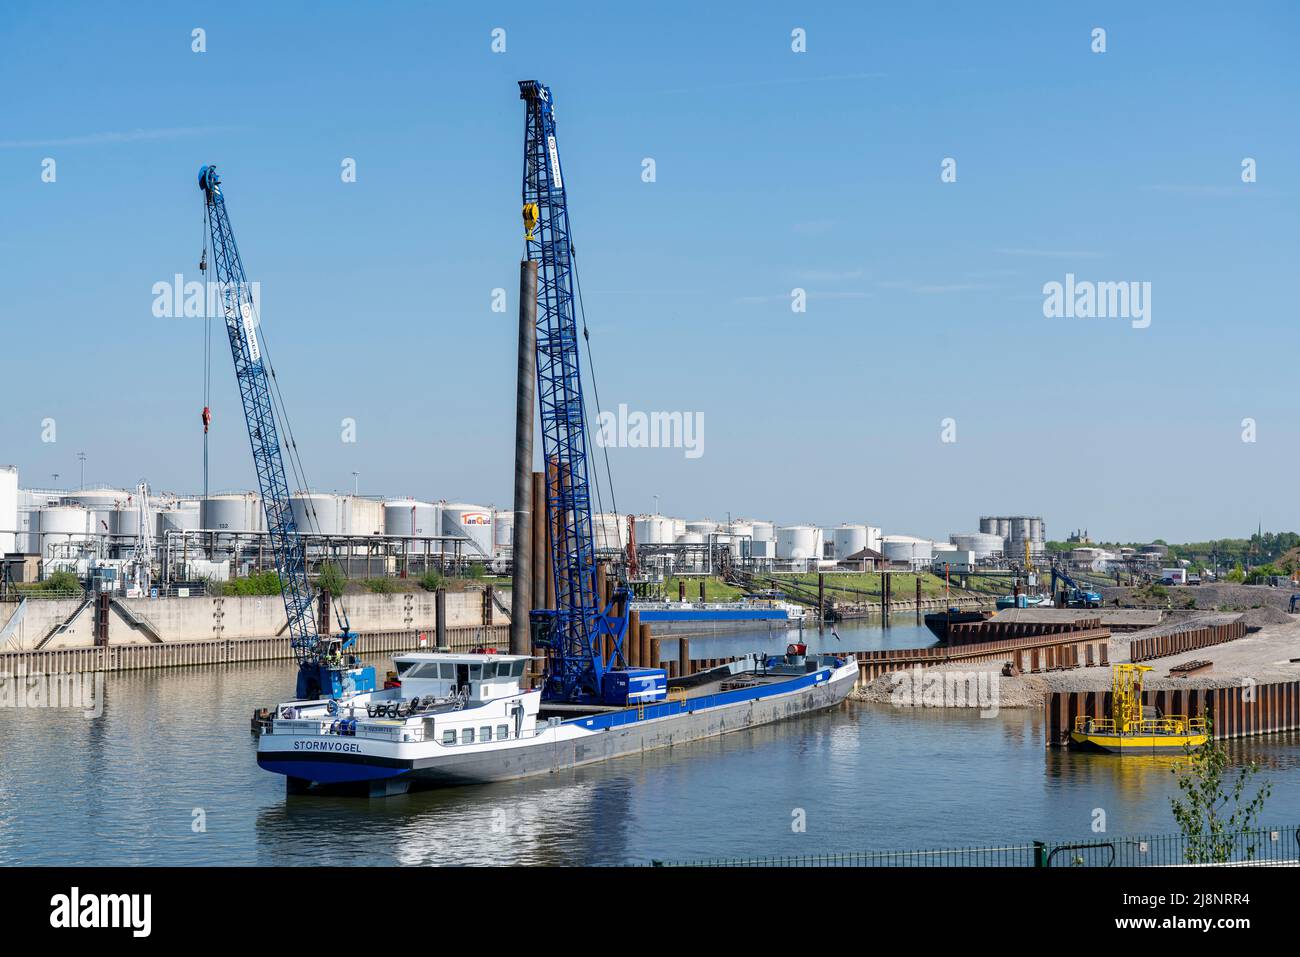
[{"x": 459, "y": 719}]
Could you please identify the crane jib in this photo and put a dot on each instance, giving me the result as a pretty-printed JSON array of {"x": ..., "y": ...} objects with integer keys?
[
  {"x": 321, "y": 668},
  {"x": 582, "y": 634}
]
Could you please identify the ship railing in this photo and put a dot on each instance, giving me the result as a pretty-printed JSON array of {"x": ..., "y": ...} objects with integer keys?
[{"x": 1169, "y": 724}]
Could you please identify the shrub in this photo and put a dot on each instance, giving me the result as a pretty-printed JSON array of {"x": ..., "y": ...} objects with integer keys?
[
  {"x": 261, "y": 583},
  {"x": 62, "y": 580}
]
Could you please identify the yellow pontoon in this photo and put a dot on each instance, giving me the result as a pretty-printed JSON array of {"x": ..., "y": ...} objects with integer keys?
[{"x": 1131, "y": 728}]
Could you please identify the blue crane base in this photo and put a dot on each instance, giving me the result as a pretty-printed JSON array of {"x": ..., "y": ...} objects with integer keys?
[{"x": 317, "y": 679}]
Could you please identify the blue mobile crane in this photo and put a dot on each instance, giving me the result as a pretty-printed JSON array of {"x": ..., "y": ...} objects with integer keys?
[
  {"x": 323, "y": 669},
  {"x": 583, "y": 635}
]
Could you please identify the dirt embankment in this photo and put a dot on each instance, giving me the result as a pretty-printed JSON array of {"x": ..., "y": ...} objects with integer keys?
[{"x": 1261, "y": 604}]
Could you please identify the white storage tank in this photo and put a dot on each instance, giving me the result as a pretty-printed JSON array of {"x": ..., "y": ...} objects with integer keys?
[
  {"x": 764, "y": 531},
  {"x": 235, "y": 512},
  {"x": 983, "y": 544},
  {"x": 679, "y": 526},
  {"x": 873, "y": 537},
  {"x": 742, "y": 536},
  {"x": 405, "y": 517},
  {"x": 184, "y": 516},
  {"x": 654, "y": 530},
  {"x": 64, "y": 523},
  {"x": 848, "y": 540},
  {"x": 609, "y": 530},
  {"x": 798, "y": 543},
  {"x": 8, "y": 509},
  {"x": 101, "y": 502},
  {"x": 125, "y": 526},
  {"x": 691, "y": 538},
  {"x": 28, "y": 539},
  {"x": 362, "y": 516},
  {"x": 98, "y": 499},
  {"x": 906, "y": 548},
  {"x": 318, "y": 513},
  {"x": 703, "y": 527},
  {"x": 503, "y": 531},
  {"x": 473, "y": 522}
]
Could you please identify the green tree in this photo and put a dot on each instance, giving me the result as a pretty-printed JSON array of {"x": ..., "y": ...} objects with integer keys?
[
  {"x": 432, "y": 580},
  {"x": 1211, "y": 814},
  {"x": 331, "y": 579}
]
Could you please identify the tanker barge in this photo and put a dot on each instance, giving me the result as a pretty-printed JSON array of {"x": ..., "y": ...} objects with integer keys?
[{"x": 458, "y": 719}]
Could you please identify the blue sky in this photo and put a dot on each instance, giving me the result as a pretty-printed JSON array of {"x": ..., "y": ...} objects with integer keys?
[{"x": 774, "y": 170}]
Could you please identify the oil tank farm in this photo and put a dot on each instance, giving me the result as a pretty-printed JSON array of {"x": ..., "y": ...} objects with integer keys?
[{"x": 1017, "y": 531}]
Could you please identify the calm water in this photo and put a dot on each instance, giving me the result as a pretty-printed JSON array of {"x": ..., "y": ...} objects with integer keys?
[{"x": 123, "y": 789}]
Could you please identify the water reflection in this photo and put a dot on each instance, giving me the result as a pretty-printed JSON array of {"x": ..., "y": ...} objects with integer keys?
[{"x": 124, "y": 789}]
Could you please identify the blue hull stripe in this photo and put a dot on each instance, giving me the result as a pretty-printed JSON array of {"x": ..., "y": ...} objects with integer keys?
[{"x": 327, "y": 772}]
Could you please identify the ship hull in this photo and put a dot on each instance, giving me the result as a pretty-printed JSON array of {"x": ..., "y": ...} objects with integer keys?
[{"x": 571, "y": 744}]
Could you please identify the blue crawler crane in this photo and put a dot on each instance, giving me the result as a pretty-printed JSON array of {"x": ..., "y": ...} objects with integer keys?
[
  {"x": 583, "y": 635},
  {"x": 323, "y": 669}
]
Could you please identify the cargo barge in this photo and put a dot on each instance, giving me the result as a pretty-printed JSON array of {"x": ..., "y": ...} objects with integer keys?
[{"x": 457, "y": 719}]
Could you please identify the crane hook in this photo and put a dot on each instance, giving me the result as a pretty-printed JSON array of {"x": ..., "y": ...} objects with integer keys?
[{"x": 531, "y": 214}]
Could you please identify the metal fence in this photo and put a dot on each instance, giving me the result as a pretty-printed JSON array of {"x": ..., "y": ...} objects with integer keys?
[{"x": 1267, "y": 846}]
